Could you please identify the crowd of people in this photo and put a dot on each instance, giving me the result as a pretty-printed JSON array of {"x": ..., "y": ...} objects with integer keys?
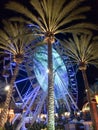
[{"x": 60, "y": 122}]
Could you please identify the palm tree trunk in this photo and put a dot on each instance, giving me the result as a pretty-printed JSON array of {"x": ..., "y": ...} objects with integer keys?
[
  {"x": 3, "y": 115},
  {"x": 51, "y": 120},
  {"x": 89, "y": 98}
]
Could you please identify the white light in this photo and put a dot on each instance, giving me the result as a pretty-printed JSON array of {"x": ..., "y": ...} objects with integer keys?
[
  {"x": 56, "y": 114},
  {"x": 78, "y": 113},
  {"x": 67, "y": 114},
  {"x": 47, "y": 71},
  {"x": 7, "y": 87},
  {"x": 86, "y": 90}
]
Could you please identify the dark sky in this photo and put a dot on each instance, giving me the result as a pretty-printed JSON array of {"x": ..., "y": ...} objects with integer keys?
[
  {"x": 92, "y": 72},
  {"x": 93, "y": 15}
]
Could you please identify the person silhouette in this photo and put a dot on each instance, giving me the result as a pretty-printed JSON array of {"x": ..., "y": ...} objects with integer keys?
[{"x": 8, "y": 124}]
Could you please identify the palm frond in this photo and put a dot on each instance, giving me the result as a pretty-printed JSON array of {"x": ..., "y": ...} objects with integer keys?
[
  {"x": 74, "y": 31},
  {"x": 51, "y": 15},
  {"x": 82, "y": 48},
  {"x": 12, "y": 5},
  {"x": 14, "y": 37},
  {"x": 38, "y": 7},
  {"x": 82, "y": 25}
]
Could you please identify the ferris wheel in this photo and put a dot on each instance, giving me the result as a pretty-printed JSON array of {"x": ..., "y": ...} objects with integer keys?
[{"x": 31, "y": 83}]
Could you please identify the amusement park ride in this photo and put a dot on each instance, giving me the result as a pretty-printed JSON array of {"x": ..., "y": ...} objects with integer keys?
[{"x": 30, "y": 87}]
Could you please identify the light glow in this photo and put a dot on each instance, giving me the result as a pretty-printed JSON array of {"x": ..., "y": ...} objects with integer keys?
[
  {"x": 96, "y": 97},
  {"x": 59, "y": 71},
  {"x": 7, "y": 87}
]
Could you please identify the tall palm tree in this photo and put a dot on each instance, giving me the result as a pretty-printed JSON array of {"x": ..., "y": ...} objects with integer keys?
[
  {"x": 53, "y": 17},
  {"x": 13, "y": 39},
  {"x": 83, "y": 50}
]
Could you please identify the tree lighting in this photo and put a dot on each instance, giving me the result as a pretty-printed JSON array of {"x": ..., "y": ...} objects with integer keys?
[{"x": 7, "y": 87}]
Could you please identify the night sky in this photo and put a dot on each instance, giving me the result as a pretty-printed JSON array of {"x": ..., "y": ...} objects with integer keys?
[{"x": 92, "y": 72}]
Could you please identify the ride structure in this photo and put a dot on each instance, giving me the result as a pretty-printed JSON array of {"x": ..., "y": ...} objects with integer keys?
[{"x": 30, "y": 87}]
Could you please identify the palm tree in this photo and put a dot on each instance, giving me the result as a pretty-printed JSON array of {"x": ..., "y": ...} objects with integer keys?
[
  {"x": 13, "y": 39},
  {"x": 83, "y": 50},
  {"x": 51, "y": 18}
]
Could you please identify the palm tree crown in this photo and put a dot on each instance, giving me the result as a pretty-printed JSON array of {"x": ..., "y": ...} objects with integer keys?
[
  {"x": 82, "y": 49},
  {"x": 13, "y": 39},
  {"x": 54, "y": 17}
]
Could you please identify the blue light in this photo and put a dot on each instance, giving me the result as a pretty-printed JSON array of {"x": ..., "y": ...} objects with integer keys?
[{"x": 59, "y": 69}]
